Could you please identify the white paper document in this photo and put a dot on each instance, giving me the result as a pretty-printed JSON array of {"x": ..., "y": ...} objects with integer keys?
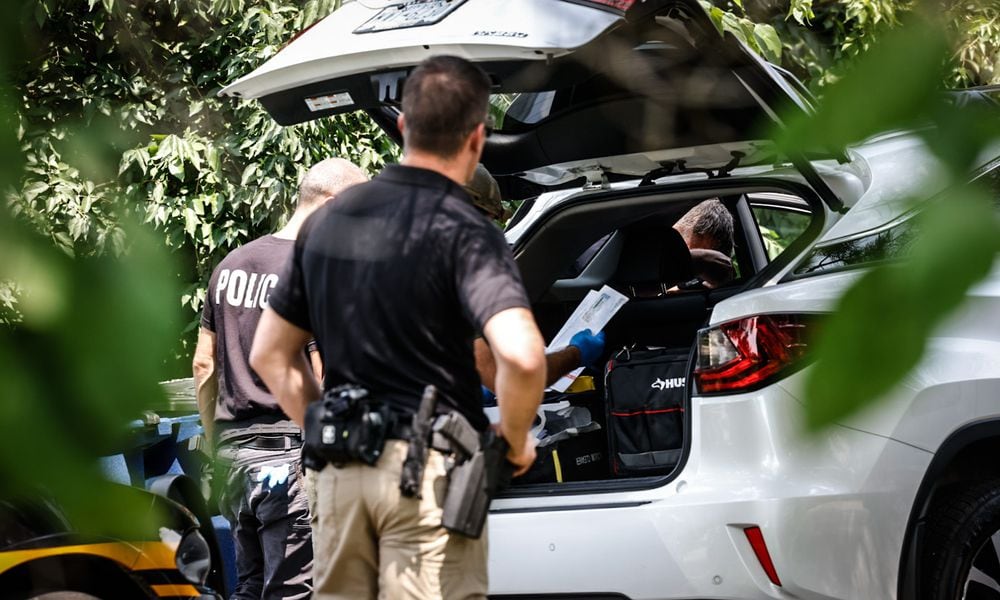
[{"x": 593, "y": 313}]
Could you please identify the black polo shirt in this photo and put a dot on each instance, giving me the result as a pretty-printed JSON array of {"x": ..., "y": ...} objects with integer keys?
[{"x": 396, "y": 278}]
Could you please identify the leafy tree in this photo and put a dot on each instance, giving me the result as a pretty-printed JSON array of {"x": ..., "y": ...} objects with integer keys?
[
  {"x": 208, "y": 173},
  {"x": 818, "y": 40}
]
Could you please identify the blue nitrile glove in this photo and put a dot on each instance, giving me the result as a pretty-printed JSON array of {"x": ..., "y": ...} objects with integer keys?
[{"x": 591, "y": 346}]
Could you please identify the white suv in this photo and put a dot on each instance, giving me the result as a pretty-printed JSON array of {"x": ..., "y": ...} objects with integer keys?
[{"x": 622, "y": 114}]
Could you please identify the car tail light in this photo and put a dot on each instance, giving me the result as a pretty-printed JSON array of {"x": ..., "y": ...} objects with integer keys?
[
  {"x": 747, "y": 353},
  {"x": 756, "y": 539}
]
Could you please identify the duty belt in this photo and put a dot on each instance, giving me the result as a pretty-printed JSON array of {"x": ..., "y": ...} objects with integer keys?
[
  {"x": 273, "y": 442},
  {"x": 264, "y": 441}
]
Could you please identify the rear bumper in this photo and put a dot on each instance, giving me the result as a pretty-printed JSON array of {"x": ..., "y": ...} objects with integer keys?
[{"x": 832, "y": 511}]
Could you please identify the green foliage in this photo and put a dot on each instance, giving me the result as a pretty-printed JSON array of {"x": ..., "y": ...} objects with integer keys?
[
  {"x": 850, "y": 111},
  {"x": 90, "y": 337},
  {"x": 904, "y": 304},
  {"x": 208, "y": 173},
  {"x": 817, "y": 40},
  {"x": 779, "y": 229},
  {"x": 960, "y": 233},
  {"x": 761, "y": 37},
  {"x": 976, "y": 57}
]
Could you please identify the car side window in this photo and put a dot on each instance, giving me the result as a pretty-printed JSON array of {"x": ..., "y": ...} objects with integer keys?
[
  {"x": 887, "y": 243},
  {"x": 779, "y": 226}
]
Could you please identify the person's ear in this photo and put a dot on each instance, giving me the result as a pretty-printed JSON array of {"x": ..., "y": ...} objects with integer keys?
[
  {"x": 400, "y": 123},
  {"x": 477, "y": 140}
]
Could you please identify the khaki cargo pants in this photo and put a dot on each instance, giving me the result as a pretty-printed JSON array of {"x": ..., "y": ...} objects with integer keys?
[{"x": 371, "y": 542}]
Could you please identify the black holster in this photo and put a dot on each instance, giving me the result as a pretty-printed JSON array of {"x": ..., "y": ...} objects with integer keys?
[
  {"x": 479, "y": 467},
  {"x": 346, "y": 425},
  {"x": 480, "y": 472}
]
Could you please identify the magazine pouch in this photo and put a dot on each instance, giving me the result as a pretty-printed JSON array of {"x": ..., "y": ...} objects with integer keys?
[{"x": 645, "y": 402}]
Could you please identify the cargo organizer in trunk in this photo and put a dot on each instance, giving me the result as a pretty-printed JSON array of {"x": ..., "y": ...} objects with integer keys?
[{"x": 627, "y": 421}]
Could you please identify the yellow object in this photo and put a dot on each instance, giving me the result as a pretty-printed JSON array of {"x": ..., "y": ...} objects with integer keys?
[
  {"x": 583, "y": 383},
  {"x": 175, "y": 590},
  {"x": 140, "y": 556},
  {"x": 555, "y": 461}
]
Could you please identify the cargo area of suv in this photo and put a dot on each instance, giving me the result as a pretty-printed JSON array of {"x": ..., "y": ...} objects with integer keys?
[{"x": 624, "y": 424}]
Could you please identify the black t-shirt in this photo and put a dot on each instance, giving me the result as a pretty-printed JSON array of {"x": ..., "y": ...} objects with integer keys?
[
  {"x": 238, "y": 292},
  {"x": 395, "y": 279}
]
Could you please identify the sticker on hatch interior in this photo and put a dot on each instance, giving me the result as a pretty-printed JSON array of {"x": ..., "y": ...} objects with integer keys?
[
  {"x": 328, "y": 101},
  {"x": 413, "y": 13}
]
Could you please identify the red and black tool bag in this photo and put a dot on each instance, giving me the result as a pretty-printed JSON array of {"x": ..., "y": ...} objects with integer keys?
[{"x": 645, "y": 410}]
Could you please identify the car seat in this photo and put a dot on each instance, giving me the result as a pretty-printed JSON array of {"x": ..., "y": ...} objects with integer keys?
[{"x": 653, "y": 260}]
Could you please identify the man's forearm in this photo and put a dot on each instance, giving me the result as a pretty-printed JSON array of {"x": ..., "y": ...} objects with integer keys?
[
  {"x": 206, "y": 380},
  {"x": 317, "y": 366},
  {"x": 560, "y": 362},
  {"x": 520, "y": 372},
  {"x": 206, "y": 388},
  {"x": 518, "y": 394},
  {"x": 557, "y": 364},
  {"x": 293, "y": 385},
  {"x": 277, "y": 357},
  {"x": 486, "y": 365}
]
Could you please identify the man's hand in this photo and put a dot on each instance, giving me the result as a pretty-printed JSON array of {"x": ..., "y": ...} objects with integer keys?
[
  {"x": 584, "y": 349},
  {"x": 523, "y": 460},
  {"x": 590, "y": 345}
]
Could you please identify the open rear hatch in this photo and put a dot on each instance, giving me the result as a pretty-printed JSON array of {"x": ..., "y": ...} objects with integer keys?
[{"x": 623, "y": 86}]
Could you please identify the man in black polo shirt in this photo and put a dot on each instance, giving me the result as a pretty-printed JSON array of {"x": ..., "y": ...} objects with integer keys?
[
  {"x": 253, "y": 439},
  {"x": 396, "y": 280}
]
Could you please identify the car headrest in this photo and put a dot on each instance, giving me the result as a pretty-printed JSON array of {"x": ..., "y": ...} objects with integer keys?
[{"x": 653, "y": 256}]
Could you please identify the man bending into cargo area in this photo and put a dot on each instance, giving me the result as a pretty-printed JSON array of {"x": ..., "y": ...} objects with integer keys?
[
  {"x": 255, "y": 443},
  {"x": 707, "y": 230},
  {"x": 396, "y": 280},
  {"x": 583, "y": 350}
]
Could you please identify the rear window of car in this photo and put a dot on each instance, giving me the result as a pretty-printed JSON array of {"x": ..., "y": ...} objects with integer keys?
[{"x": 888, "y": 243}]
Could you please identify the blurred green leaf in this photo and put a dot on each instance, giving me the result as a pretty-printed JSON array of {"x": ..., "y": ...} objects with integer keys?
[{"x": 880, "y": 327}]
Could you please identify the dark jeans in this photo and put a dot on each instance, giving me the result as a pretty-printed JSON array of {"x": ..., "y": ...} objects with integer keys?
[{"x": 264, "y": 500}]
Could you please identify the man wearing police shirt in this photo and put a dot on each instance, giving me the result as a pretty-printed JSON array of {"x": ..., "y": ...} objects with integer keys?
[
  {"x": 255, "y": 442},
  {"x": 395, "y": 281}
]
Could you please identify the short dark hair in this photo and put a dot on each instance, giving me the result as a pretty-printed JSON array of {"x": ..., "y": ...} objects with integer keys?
[
  {"x": 444, "y": 99},
  {"x": 710, "y": 220}
]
